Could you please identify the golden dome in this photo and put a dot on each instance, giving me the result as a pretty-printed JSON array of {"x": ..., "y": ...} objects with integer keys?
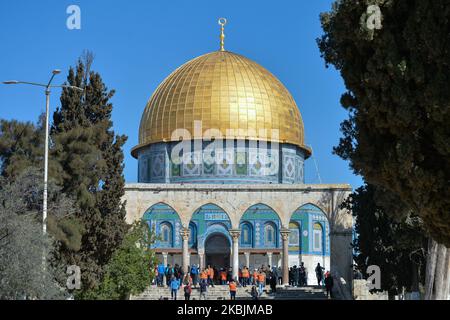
[{"x": 223, "y": 90}]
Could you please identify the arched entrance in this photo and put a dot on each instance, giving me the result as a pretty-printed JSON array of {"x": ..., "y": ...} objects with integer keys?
[{"x": 217, "y": 250}]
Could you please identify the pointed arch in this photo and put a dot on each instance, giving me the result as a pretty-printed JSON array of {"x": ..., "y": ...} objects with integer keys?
[
  {"x": 310, "y": 207},
  {"x": 315, "y": 240},
  {"x": 158, "y": 210},
  {"x": 258, "y": 209},
  {"x": 164, "y": 221},
  {"x": 211, "y": 207},
  {"x": 208, "y": 218}
]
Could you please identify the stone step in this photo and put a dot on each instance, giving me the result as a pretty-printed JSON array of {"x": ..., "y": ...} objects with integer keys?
[{"x": 221, "y": 292}]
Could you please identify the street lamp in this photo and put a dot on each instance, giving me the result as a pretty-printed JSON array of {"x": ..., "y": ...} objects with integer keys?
[{"x": 47, "y": 100}]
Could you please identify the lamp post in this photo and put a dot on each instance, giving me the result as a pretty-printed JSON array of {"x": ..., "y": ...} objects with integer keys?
[{"x": 47, "y": 106}]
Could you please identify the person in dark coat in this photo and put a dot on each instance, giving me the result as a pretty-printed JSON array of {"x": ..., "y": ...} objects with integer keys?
[
  {"x": 329, "y": 284},
  {"x": 273, "y": 282},
  {"x": 187, "y": 292},
  {"x": 275, "y": 276},
  {"x": 295, "y": 276},
  {"x": 319, "y": 273},
  {"x": 291, "y": 276},
  {"x": 302, "y": 275}
]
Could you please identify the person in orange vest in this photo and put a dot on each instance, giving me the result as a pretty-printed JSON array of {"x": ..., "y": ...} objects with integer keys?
[
  {"x": 261, "y": 282},
  {"x": 255, "y": 277},
  {"x": 245, "y": 276},
  {"x": 233, "y": 289},
  {"x": 223, "y": 277},
  {"x": 204, "y": 276},
  {"x": 210, "y": 276}
]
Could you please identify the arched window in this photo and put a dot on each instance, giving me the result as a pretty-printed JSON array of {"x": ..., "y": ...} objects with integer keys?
[
  {"x": 269, "y": 235},
  {"x": 294, "y": 235},
  {"x": 246, "y": 234},
  {"x": 166, "y": 234},
  {"x": 192, "y": 235},
  {"x": 317, "y": 237}
]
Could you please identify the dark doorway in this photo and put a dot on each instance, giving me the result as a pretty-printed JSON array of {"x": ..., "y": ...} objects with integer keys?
[{"x": 217, "y": 251}]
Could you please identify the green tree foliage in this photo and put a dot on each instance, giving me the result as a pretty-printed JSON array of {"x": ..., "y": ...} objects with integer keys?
[
  {"x": 22, "y": 150},
  {"x": 398, "y": 248},
  {"x": 22, "y": 244},
  {"x": 131, "y": 268},
  {"x": 21, "y": 146},
  {"x": 90, "y": 167},
  {"x": 398, "y": 80}
]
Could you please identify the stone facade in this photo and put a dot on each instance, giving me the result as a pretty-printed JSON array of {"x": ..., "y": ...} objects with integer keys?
[{"x": 235, "y": 200}]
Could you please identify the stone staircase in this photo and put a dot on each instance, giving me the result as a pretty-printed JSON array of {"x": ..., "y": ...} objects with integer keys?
[
  {"x": 221, "y": 292},
  {"x": 302, "y": 293}
]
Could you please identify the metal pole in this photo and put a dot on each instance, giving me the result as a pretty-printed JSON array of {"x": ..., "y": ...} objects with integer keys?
[
  {"x": 47, "y": 111},
  {"x": 44, "y": 207}
]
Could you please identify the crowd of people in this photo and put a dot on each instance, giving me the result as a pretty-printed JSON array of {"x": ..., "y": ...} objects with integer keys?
[{"x": 258, "y": 279}]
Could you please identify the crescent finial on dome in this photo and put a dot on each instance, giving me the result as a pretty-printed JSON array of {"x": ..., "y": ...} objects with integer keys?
[{"x": 222, "y": 22}]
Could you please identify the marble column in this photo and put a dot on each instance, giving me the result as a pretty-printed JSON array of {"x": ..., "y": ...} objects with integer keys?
[
  {"x": 247, "y": 259},
  {"x": 285, "y": 262},
  {"x": 235, "y": 233},
  {"x": 201, "y": 258},
  {"x": 269, "y": 259},
  {"x": 164, "y": 254},
  {"x": 184, "y": 232}
]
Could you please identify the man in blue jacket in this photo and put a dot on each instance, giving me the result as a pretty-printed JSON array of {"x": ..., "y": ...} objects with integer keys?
[
  {"x": 161, "y": 271},
  {"x": 194, "y": 275},
  {"x": 174, "y": 286}
]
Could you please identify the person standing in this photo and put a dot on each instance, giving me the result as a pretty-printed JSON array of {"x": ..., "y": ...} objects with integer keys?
[
  {"x": 174, "y": 286},
  {"x": 210, "y": 274},
  {"x": 187, "y": 280},
  {"x": 261, "y": 282},
  {"x": 280, "y": 279},
  {"x": 194, "y": 275},
  {"x": 169, "y": 272},
  {"x": 273, "y": 283},
  {"x": 223, "y": 277},
  {"x": 254, "y": 293},
  {"x": 255, "y": 277},
  {"x": 319, "y": 273},
  {"x": 302, "y": 275},
  {"x": 160, "y": 278},
  {"x": 305, "y": 283},
  {"x": 245, "y": 276},
  {"x": 203, "y": 288},
  {"x": 291, "y": 277},
  {"x": 233, "y": 289},
  {"x": 295, "y": 276},
  {"x": 187, "y": 292},
  {"x": 176, "y": 271},
  {"x": 329, "y": 284},
  {"x": 230, "y": 274}
]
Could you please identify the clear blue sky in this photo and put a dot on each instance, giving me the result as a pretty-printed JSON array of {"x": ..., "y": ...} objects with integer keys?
[{"x": 138, "y": 43}]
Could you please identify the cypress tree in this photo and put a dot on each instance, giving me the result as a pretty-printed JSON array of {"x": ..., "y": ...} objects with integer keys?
[
  {"x": 90, "y": 167},
  {"x": 398, "y": 99}
]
